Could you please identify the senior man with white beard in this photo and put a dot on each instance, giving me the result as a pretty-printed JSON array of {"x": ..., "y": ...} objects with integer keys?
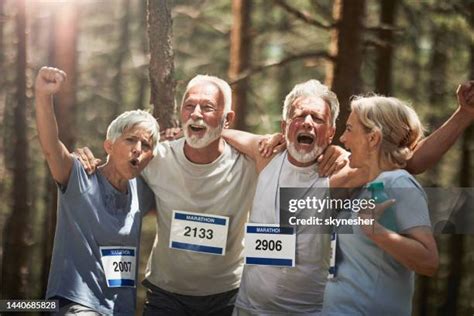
[
  {"x": 309, "y": 115},
  {"x": 203, "y": 189}
]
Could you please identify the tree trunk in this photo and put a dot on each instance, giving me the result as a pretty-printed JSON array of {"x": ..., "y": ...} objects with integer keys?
[
  {"x": 240, "y": 46},
  {"x": 416, "y": 70},
  {"x": 141, "y": 77},
  {"x": 3, "y": 111},
  {"x": 414, "y": 67},
  {"x": 438, "y": 67},
  {"x": 284, "y": 72},
  {"x": 62, "y": 54},
  {"x": 384, "y": 61},
  {"x": 2, "y": 23},
  {"x": 437, "y": 91},
  {"x": 65, "y": 58},
  {"x": 343, "y": 75},
  {"x": 121, "y": 54},
  {"x": 17, "y": 230},
  {"x": 161, "y": 69}
]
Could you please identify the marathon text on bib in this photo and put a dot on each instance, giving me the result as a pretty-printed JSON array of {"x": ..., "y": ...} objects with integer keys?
[
  {"x": 269, "y": 244},
  {"x": 119, "y": 265},
  {"x": 198, "y": 232}
]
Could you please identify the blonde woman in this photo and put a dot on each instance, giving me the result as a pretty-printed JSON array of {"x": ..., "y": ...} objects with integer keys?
[{"x": 375, "y": 265}]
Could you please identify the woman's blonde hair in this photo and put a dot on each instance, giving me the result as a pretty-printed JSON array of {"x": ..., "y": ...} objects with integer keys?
[{"x": 397, "y": 122}]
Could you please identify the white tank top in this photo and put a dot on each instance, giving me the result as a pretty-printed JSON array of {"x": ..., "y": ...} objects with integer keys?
[{"x": 273, "y": 290}]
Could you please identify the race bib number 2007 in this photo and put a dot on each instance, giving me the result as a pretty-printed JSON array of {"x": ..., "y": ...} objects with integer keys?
[
  {"x": 198, "y": 232},
  {"x": 119, "y": 265}
]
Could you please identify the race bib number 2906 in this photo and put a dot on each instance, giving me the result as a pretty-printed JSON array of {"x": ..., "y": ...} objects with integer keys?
[
  {"x": 269, "y": 244},
  {"x": 199, "y": 232}
]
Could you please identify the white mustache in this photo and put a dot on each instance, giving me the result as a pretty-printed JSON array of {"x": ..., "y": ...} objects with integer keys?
[{"x": 198, "y": 122}]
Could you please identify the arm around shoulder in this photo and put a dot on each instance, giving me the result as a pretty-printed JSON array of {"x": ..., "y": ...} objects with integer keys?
[{"x": 247, "y": 144}]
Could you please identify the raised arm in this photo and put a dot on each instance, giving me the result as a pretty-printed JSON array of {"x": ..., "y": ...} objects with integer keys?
[
  {"x": 48, "y": 82},
  {"x": 430, "y": 150}
]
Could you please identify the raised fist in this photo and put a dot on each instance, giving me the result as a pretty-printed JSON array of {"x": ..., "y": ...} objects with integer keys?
[
  {"x": 465, "y": 95},
  {"x": 49, "y": 80}
]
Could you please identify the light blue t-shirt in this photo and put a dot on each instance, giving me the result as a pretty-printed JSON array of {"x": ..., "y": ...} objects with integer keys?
[
  {"x": 369, "y": 281},
  {"x": 92, "y": 214}
]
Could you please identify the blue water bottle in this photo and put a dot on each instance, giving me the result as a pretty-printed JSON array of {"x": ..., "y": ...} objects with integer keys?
[{"x": 388, "y": 218}]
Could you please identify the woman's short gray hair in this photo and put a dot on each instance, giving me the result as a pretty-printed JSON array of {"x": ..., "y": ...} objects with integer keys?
[
  {"x": 222, "y": 85},
  {"x": 130, "y": 119},
  {"x": 312, "y": 88},
  {"x": 397, "y": 122}
]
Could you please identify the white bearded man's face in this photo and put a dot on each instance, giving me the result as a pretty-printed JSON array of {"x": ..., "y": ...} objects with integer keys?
[
  {"x": 308, "y": 129},
  {"x": 301, "y": 155},
  {"x": 202, "y": 114},
  {"x": 196, "y": 140}
]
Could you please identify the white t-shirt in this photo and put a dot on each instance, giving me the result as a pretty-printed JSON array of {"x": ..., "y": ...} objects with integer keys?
[
  {"x": 224, "y": 187},
  {"x": 269, "y": 290}
]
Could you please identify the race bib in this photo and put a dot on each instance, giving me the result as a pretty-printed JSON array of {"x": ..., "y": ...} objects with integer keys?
[
  {"x": 119, "y": 265},
  {"x": 199, "y": 232},
  {"x": 269, "y": 244}
]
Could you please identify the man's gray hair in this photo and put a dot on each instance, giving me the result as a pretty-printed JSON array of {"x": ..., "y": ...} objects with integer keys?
[
  {"x": 130, "y": 119},
  {"x": 222, "y": 85},
  {"x": 312, "y": 88}
]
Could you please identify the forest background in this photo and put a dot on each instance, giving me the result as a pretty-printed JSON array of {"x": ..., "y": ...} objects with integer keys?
[{"x": 128, "y": 54}]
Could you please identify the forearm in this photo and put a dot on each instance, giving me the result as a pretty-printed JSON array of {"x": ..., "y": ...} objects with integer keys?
[
  {"x": 430, "y": 150},
  {"x": 411, "y": 253},
  {"x": 57, "y": 156}
]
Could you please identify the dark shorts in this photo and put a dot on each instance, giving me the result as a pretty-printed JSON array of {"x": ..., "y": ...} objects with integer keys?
[
  {"x": 161, "y": 302},
  {"x": 70, "y": 308}
]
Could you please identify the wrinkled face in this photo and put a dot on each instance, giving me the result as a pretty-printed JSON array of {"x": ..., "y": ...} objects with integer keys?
[
  {"x": 131, "y": 152},
  {"x": 308, "y": 128},
  {"x": 355, "y": 140},
  {"x": 202, "y": 114}
]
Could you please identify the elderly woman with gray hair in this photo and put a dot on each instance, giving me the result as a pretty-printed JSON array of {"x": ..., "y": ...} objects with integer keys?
[
  {"x": 375, "y": 264},
  {"x": 94, "y": 264}
]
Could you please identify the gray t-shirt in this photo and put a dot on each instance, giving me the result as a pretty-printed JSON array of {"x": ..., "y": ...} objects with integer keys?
[
  {"x": 369, "y": 281},
  {"x": 92, "y": 214},
  {"x": 224, "y": 187}
]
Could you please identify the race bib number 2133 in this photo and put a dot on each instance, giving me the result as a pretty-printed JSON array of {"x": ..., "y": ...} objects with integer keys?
[{"x": 198, "y": 232}]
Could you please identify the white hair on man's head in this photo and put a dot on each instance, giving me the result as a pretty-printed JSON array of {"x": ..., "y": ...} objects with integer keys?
[
  {"x": 221, "y": 84},
  {"x": 312, "y": 88},
  {"x": 130, "y": 119}
]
